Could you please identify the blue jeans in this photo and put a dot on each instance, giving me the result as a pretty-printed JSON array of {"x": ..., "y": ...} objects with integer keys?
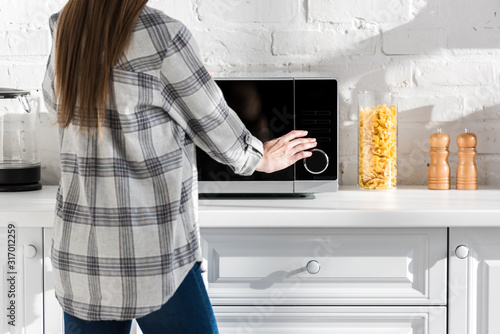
[{"x": 188, "y": 311}]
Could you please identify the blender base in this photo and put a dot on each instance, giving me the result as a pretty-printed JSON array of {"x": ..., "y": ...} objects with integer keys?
[
  {"x": 20, "y": 187},
  {"x": 20, "y": 177}
]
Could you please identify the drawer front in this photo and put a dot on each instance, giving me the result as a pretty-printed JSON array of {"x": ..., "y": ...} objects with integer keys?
[
  {"x": 331, "y": 320},
  {"x": 356, "y": 266}
]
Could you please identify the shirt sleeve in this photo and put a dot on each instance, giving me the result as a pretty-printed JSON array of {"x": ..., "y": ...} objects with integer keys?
[
  {"x": 48, "y": 87},
  {"x": 196, "y": 103}
]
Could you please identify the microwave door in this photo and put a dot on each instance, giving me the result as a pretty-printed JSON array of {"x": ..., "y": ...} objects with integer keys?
[{"x": 266, "y": 107}]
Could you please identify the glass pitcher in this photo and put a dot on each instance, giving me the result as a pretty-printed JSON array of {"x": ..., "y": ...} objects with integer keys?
[{"x": 20, "y": 168}]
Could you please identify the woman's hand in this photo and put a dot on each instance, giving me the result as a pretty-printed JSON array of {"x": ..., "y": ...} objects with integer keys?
[{"x": 284, "y": 151}]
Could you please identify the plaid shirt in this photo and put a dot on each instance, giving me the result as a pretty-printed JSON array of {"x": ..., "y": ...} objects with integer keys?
[{"x": 126, "y": 231}]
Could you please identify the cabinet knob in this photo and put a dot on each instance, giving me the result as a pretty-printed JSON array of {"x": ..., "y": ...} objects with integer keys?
[
  {"x": 30, "y": 251},
  {"x": 313, "y": 267},
  {"x": 462, "y": 251}
]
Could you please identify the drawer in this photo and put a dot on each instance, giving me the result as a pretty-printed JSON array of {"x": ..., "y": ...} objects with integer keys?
[
  {"x": 356, "y": 266},
  {"x": 331, "y": 320}
]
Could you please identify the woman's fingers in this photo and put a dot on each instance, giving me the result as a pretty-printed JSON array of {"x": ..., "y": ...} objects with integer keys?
[
  {"x": 293, "y": 135},
  {"x": 302, "y": 144},
  {"x": 286, "y": 150},
  {"x": 301, "y": 151},
  {"x": 301, "y": 155}
]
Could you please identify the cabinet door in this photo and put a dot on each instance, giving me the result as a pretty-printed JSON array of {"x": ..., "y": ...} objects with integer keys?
[
  {"x": 21, "y": 280},
  {"x": 326, "y": 266},
  {"x": 331, "y": 320},
  {"x": 474, "y": 283}
]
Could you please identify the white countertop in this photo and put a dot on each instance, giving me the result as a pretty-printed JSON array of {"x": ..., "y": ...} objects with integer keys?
[{"x": 350, "y": 207}]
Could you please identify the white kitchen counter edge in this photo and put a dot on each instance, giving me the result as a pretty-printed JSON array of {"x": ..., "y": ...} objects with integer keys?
[{"x": 350, "y": 207}]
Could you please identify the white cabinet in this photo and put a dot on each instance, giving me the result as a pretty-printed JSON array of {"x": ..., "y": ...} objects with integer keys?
[
  {"x": 21, "y": 279},
  {"x": 474, "y": 284},
  {"x": 356, "y": 275},
  {"x": 317, "y": 281},
  {"x": 330, "y": 320}
]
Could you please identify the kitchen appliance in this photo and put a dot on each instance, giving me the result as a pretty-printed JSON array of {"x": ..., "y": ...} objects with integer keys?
[
  {"x": 19, "y": 163},
  {"x": 270, "y": 108}
]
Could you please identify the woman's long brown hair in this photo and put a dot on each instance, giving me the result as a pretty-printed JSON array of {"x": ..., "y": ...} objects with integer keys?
[{"x": 91, "y": 36}]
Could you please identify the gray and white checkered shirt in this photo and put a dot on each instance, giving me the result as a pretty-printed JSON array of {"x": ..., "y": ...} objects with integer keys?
[{"x": 126, "y": 227}]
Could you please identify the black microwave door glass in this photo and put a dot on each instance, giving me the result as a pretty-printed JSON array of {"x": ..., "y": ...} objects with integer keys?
[{"x": 266, "y": 109}]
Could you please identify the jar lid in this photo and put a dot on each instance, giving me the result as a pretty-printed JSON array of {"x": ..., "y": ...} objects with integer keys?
[{"x": 9, "y": 93}]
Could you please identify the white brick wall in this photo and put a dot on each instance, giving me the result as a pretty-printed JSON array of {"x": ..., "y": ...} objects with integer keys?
[{"x": 441, "y": 56}]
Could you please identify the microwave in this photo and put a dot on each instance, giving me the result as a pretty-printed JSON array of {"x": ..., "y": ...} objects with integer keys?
[{"x": 270, "y": 108}]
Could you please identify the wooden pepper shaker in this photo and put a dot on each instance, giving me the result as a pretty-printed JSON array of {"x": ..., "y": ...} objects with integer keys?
[
  {"x": 439, "y": 169},
  {"x": 467, "y": 169}
]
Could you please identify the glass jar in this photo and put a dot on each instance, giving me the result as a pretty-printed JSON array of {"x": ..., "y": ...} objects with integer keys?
[
  {"x": 378, "y": 128},
  {"x": 19, "y": 162}
]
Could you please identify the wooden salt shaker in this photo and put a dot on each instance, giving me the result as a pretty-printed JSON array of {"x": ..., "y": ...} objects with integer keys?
[
  {"x": 439, "y": 169},
  {"x": 467, "y": 169}
]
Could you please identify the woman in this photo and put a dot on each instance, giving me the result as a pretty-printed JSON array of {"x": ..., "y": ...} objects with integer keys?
[{"x": 133, "y": 100}]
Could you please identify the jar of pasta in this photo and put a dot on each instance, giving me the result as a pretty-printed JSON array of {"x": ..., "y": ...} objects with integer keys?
[{"x": 378, "y": 128}]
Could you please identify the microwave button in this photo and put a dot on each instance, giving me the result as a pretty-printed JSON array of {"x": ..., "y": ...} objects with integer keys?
[{"x": 317, "y": 163}]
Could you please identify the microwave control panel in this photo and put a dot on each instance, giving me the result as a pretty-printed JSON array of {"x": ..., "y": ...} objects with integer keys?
[{"x": 316, "y": 110}]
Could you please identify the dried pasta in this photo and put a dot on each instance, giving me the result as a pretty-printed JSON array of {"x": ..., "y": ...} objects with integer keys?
[{"x": 378, "y": 147}]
